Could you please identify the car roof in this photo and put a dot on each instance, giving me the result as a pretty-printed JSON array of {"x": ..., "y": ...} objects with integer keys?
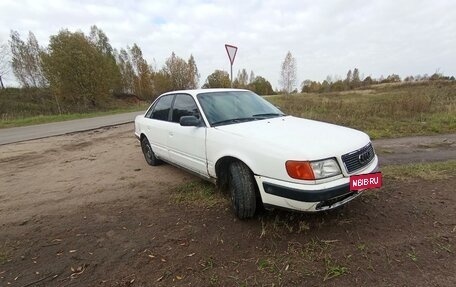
[{"x": 199, "y": 91}]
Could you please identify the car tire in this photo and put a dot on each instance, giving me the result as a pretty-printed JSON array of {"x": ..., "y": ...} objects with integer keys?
[
  {"x": 242, "y": 188},
  {"x": 149, "y": 155}
]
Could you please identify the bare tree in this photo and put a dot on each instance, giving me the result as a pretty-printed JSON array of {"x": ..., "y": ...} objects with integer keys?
[
  {"x": 288, "y": 73},
  {"x": 100, "y": 40},
  {"x": 243, "y": 78},
  {"x": 26, "y": 60},
  {"x": 143, "y": 79},
  {"x": 127, "y": 71},
  {"x": 4, "y": 63},
  {"x": 252, "y": 77},
  {"x": 355, "y": 78},
  {"x": 349, "y": 77},
  {"x": 193, "y": 74}
]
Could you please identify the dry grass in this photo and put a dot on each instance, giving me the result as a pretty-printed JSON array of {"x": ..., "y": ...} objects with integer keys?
[
  {"x": 383, "y": 111},
  {"x": 22, "y": 107},
  {"x": 198, "y": 193},
  {"x": 421, "y": 171}
]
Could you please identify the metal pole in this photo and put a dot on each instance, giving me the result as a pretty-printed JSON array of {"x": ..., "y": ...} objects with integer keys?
[{"x": 231, "y": 75}]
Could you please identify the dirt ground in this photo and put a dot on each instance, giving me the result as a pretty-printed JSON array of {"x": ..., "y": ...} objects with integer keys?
[{"x": 86, "y": 210}]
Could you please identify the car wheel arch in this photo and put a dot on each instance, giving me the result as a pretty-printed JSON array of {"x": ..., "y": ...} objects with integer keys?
[
  {"x": 221, "y": 170},
  {"x": 237, "y": 179},
  {"x": 149, "y": 154}
]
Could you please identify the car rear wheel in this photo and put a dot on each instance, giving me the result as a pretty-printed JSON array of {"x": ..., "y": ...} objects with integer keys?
[
  {"x": 242, "y": 188},
  {"x": 149, "y": 155}
]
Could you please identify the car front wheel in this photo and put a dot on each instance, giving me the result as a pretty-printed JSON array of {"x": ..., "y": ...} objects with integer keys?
[
  {"x": 242, "y": 190},
  {"x": 149, "y": 155}
]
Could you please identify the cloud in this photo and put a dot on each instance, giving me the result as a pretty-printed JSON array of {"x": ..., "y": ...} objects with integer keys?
[{"x": 326, "y": 37}]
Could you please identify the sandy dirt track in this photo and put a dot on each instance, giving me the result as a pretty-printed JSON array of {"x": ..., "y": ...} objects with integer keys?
[
  {"x": 86, "y": 210},
  {"x": 61, "y": 173}
]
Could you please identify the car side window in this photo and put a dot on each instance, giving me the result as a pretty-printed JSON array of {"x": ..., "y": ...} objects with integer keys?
[
  {"x": 184, "y": 105},
  {"x": 162, "y": 108},
  {"x": 149, "y": 112}
]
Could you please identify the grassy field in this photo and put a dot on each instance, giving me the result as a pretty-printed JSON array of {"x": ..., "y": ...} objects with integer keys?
[
  {"x": 383, "y": 111},
  {"x": 420, "y": 171},
  {"x": 22, "y": 107}
]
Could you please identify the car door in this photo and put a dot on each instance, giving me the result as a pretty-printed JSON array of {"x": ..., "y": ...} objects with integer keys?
[
  {"x": 158, "y": 126},
  {"x": 187, "y": 146}
]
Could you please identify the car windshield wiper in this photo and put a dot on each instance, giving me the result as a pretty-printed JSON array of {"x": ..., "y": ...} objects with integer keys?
[
  {"x": 269, "y": 115},
  {"x": 233, "y": 121}
]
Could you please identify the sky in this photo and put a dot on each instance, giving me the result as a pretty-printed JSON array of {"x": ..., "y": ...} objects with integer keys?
[{"x": 405, "y": 37}]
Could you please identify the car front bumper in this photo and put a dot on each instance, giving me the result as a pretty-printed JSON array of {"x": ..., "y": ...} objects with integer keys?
[{"x": 309, "y": 197}]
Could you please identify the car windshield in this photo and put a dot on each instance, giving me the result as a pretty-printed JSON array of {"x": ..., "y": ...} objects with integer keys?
[{"x": 229, "y": 107}]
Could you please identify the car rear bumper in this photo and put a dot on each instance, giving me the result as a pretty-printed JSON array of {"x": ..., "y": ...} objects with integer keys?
[{"x": 309, "y": 197}]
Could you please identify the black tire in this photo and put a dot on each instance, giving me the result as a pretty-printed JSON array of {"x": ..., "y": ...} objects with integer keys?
[
  {"x": 149, "y": 155},
  {"x": 242, "y": 188}
]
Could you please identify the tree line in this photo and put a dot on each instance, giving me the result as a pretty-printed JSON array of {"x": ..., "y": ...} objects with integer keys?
[
  {"x": 353, "y": 80},
  {"x": 257, "y": 84},
  {"x": 84, "y": 71}
]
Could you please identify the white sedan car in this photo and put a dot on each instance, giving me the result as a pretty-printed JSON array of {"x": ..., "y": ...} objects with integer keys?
[{"x": 247, "y": 146}]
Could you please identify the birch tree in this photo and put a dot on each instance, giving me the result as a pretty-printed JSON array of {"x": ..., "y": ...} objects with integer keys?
[
  {"x": 4, "y": 63},
  {"x": 26, "y": 60},
  {"x": 288, "y": 73}
]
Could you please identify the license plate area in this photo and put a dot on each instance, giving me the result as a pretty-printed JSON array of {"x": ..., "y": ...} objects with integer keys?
[{"x": 365, "y": 181}]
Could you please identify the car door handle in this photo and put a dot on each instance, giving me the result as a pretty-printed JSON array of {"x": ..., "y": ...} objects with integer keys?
[{"x": 171, "y": 134}]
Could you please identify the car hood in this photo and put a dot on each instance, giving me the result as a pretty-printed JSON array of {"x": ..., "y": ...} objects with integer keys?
[{"x": 298, "y": 138}]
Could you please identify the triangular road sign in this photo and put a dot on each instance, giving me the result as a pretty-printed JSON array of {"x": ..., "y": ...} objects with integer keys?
[{"x": 231, "y": 50}]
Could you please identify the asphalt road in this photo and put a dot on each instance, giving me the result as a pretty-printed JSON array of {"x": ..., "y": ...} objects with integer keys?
[{"x": 12, "y": 135}]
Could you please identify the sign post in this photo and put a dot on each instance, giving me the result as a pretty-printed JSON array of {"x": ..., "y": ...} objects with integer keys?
[{"x": 231, "y": 51}]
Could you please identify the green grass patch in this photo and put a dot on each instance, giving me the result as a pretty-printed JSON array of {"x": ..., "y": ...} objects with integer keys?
[
  {"x": 42, "y": 119},
  {"x": 421, "y": 171},
  {"x": 383, "y": 111},
  {"x": 413, "y": 255},
  {"x": 264, "y": 264},
  {"x": 198, "y": 193},
  {"x": 333, "y": 269}
]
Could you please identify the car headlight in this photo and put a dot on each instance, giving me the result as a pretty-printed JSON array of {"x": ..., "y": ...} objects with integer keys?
[
  {"x": 325, "y": 168},
  {"x": 312, "y": 170}
]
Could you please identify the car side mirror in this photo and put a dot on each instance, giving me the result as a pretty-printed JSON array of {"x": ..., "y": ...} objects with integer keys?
[{"x": 189, "y": 121}]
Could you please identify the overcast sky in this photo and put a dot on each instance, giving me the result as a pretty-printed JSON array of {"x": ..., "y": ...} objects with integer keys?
[{"x": 325, "y": 37}]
